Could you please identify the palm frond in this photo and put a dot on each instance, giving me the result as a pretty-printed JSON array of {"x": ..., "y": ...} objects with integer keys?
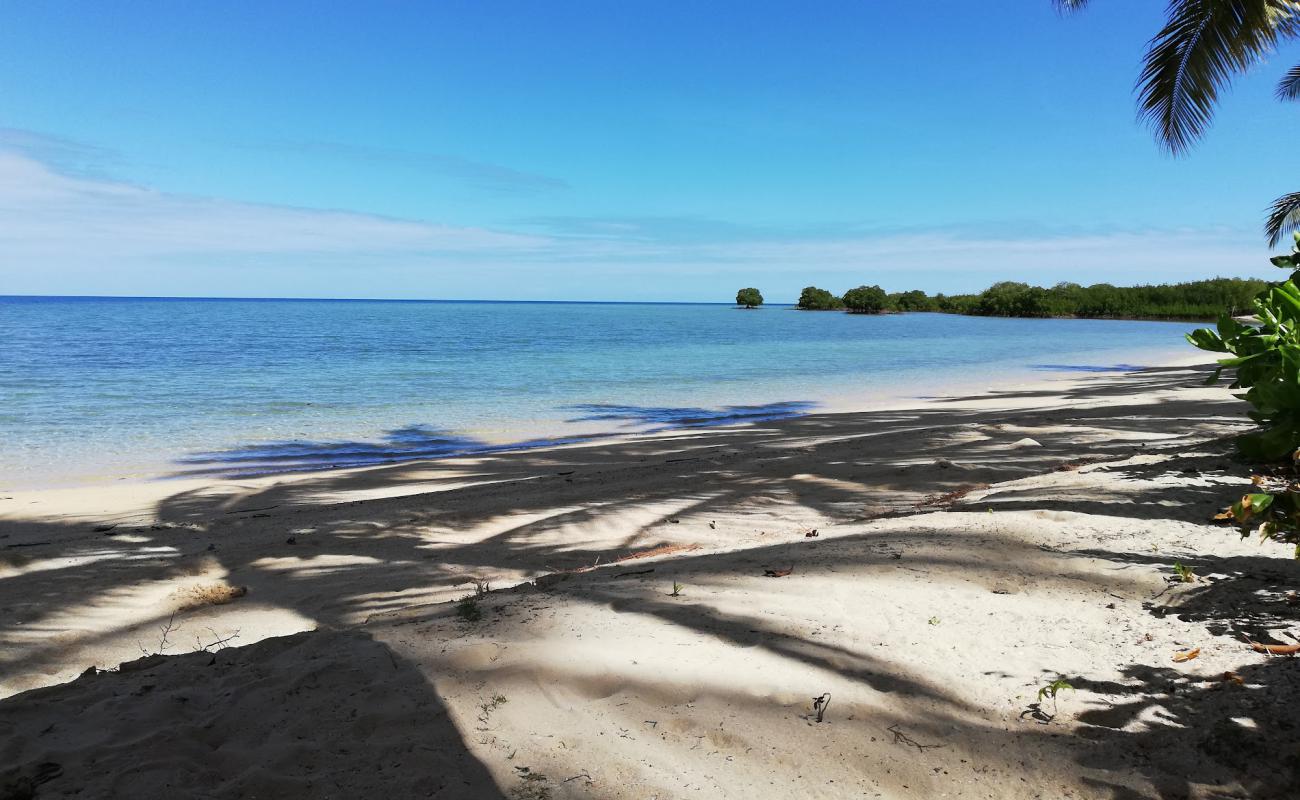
[
  {"x": 1289, "y": 87},
  {"x": 1283, "y": 217},
  {"x": 1203, "y": 45},
  {"x": 1067, "y": 6}
]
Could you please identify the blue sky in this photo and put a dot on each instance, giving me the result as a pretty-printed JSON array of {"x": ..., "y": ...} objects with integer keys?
[{"x": 598, "y": 150}]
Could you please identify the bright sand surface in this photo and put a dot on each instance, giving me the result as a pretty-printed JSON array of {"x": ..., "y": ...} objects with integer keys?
[{"x": 300, "y": 637}]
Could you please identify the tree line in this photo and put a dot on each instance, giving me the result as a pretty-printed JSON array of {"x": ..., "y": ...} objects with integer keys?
[{"x": 1205, "y": 299}]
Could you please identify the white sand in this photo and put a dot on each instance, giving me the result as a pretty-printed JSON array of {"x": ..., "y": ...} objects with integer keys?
[{"x": 930, "y": 620}]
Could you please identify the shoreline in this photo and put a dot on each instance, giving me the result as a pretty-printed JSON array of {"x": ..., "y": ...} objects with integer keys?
[
  {"x": 664, "y": 607},
  {"x": 844, "y": 394}
]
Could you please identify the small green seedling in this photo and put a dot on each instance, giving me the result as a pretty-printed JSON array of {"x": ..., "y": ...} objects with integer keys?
[
  {"x": 1184, "y": 572},
  {"x": 468, "y": 610},
  {"x": 677, "y": 589},
  {"x": 1052, "y": 689},
  {"x": 934, "y": 620}
]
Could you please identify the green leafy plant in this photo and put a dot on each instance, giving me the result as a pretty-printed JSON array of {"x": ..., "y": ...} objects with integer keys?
[
  {"x": 1265, "y": 360},
  {"x": 749, "y": 297},
  {"x": 1184, "y": 572},
  {"x": 677, "y": 589},
  {"x": 467, "y": 608},
  {"x": 1051, "y": 690},
  {"x": 1274, "y": 511}
]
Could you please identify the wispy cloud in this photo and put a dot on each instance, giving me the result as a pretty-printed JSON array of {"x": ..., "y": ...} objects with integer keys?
[
  {"x": 47, "y": 216},
  {"x": 478, "y": 174},
  {"x": 67, "y": 155}
]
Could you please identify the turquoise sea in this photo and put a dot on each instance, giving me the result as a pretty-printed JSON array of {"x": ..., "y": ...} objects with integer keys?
[{"x": 161, "y": 387}]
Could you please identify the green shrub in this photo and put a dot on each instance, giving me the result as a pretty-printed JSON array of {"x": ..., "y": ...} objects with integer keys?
[
  {"x": 866, "y": 300},
  {"x": 1265, "y": 360},
  {"x": 915, "y": 300},
  {"x": 814, "y": 299},
  {"x": 749, "y": 298}
]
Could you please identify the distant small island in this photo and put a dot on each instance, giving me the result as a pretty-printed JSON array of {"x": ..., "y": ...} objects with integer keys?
[
  {"x": 749, "y": 297},
  {"x": 1192, "y": 300}
]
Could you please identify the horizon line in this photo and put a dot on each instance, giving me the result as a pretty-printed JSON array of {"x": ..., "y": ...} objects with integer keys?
[{"x": 366, "y": 299}]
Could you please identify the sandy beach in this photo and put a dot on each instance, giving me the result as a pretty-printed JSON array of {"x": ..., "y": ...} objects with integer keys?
[{"x": 653, "y": 617}]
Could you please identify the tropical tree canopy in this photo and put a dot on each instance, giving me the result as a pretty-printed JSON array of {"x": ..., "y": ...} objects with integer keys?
[
  {"x": 749, "y": 298},
  {"x": 814, "y": 299},
  {"x": 866, "y": 300},
  {"x": 1202, "y": 46}
]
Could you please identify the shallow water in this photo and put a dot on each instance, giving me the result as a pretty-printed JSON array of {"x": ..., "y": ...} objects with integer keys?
[{"x": 124, "y": 386}]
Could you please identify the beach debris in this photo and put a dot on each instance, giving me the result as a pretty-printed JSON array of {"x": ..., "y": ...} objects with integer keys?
[
  {"x": 1276, "y": 649},
  {"x": 1186, "y": 655},
  {"x": 675, "y": 521},
  {"x": 933, "y": 621},
  {"x": 778, "y": 573},
  {"x": 247, "y": 510},
  {"x": 820, "y": 704},
  {"x": 106, "y": 529},
  {"x": 951, "y": 498},
  {"x": 1025, "y": 442},
  {"x": 209, "y": 594},
  {"x": 713, "y": 525},
  {"x": 942, "y": 463},
  {"x": 291, "y": 540},
  {"x": 1232, "y": 677},
  {"x": 902, "y": 738},
  {"x": 635, "y": 572},
  {"x": 811, "y": 533}
]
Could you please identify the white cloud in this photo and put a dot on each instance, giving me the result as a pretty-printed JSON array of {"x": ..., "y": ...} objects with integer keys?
[{"x": 48, "y": 217}]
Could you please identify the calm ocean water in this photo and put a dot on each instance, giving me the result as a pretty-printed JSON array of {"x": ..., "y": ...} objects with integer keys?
[{"x": 92, "y": 386}]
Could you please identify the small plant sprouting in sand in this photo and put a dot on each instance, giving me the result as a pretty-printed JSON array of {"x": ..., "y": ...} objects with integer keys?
[
  {"x": 934, "y": 620},
  {"x": 467, "y": 608},
  {"x": 677, "y": 589},
  {"x": 1052, "y": 690},
  {"x": 1184, "y": 572}
]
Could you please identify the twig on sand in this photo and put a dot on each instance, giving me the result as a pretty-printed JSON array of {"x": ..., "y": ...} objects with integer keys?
[
  {"x": 575, "y": 777},
  {"x": 218, "y": 641},
  {"x": 903, "y": 738},
  {"x": 635, "y": 572},
  {"x": 164, "y": 638}
]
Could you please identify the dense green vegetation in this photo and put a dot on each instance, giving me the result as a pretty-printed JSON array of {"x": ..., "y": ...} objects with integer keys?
[
  {"x": 814, "y": 299},
  {"x": 866, "y": 300},
  {"x": 1265, "y": 361},
  {"x": 1194, "y": 300},
  {"x": 749, "y": 298}
]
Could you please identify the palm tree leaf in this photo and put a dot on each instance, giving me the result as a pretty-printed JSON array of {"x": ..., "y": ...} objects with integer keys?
[
  {"x": 1289, "y": 87},
  {"x": 1283, "y": 217},
  {"x": 1194, "y": 57}
]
